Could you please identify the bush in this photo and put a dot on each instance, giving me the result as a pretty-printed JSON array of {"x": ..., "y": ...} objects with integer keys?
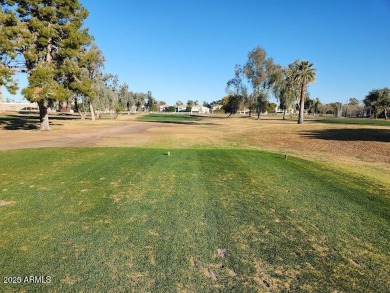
[{"x": 154, "y": 108}]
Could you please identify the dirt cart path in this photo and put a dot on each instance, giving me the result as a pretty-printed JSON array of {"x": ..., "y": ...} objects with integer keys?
[{"x": 83, "y": 137}]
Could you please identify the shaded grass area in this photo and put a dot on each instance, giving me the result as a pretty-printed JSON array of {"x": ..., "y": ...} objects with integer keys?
[
  {"x": 363, "y": 134},
  {"x": 127, "y": 219},
  {"x": 173, "y": 118},
  {"x": 16, "y": 122},
  {"x": 357, "y": 121},
  {"x": 29, "y": 121}
]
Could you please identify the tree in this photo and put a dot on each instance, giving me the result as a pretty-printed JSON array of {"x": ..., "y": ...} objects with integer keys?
[
  {"x": 179, "y": 103},
  {"x": 51, "y": 34},
  {"x": 231, "y": 104},
  {"x": 235, "y": 89},
  {"x": 309, "y": 104},
  {"x": 235, "y": 85},
  {"x": 270, "y": 107},
  {"x": 126, "y": 100},
  {"x": 155, "y": 108},
  {"x": 284, "y": 89},
  {"x": 81, "y": 75},
  {"x": 371, "y": 102},
  {"x": 107, "y": 99},
  {"x": 377, "y": 100},
  {"x": 261, "y": 72},
  {"x": 351, "y": 103},
  {"x": 149, "y": 101},
  {"x": 139, "y": 100},
  {"x": 317, "y": 106},
  {"x": 206, "y": 104},
  {"x": 9, "y": 29},
  {"x": 303, "y": 73},
  {"x": 384, "y": 100}
]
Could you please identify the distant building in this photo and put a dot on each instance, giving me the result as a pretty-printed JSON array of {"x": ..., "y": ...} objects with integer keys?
[
  {"x": 181, "y": 108},
  {"x": 216, "y": 107},
  {"x": 163, "y": 108},
  {"x": 200, "y": 110}
]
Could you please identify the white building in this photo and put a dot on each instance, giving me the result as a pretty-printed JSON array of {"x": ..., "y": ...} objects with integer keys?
[
  {"x": 200, "y": 110},
  {"x": 163, "y": 108},
  {"x": 181, "y": 108},
  {"x": 216, "y": 107}
]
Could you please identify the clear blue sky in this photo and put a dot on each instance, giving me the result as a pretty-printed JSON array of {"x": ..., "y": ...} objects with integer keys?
[{"x": 188, "y": 49}]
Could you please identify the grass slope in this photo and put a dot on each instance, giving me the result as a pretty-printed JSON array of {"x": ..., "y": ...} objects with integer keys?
[
  {"x": 125, "y": 219},
  {"x": 168, "y": 118}
]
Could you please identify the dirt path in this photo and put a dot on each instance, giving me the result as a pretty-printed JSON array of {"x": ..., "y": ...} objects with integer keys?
[{"x": 83, "y": 137}]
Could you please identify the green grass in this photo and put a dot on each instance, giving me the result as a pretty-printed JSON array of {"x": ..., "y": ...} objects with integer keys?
[
  {"x": 356, "y": 121},
  {"x": 169, "y": 118},
  {"x": 124, "y": 219}
]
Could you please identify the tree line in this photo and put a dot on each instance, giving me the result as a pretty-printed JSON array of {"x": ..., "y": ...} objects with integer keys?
[
  {"x": 378, "y": 101},
  {"x": 260, "y": 77},
  {"x": 265, "y": 77}
]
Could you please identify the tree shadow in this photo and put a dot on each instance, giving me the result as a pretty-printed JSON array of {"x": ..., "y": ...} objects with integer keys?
[
  {"x": 181, "y": 122},
  {"x": 28, "y": 122},
  {"x": 13, "y": 122},
  {"x": 382, "y": 135},
  {"x": 209, "y": 116}
]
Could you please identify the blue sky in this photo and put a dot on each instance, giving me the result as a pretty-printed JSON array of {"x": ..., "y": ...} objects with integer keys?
[{"x": 184, "y": 50}]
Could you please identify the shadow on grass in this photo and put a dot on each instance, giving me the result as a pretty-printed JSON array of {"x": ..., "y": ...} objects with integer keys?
[
  {"x": 382, "y": 135},
  {"x": 180, "y": 122},
  {"x": 13, "y": 122},
  {"x": 28, "y": 122},
  {"x": 210, "y": 116}
]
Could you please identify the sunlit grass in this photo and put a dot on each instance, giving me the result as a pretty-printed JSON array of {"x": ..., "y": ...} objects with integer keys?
[
  {"x": 356, "y": 121},
  {"x": 169, "y": 117},
  {"x": 125, "y": 219}
]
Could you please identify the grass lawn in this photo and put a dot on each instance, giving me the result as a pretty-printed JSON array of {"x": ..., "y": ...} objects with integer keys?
[
  {"x": 169, "y": 118},
  {"x": 356, "y": 121},
  {"x": 132, "y": 219}
]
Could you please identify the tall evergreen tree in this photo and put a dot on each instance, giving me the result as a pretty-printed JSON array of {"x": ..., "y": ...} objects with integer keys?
[
  {"x": 52, "y": 35},
  {"x": 9, "y": 30}
]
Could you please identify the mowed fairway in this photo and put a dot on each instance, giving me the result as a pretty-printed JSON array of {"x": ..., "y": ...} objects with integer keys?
[{"x": 199, "y": 220}]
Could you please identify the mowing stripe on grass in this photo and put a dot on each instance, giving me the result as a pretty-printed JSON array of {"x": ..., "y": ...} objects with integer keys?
[{"x": 118, "y": 219}]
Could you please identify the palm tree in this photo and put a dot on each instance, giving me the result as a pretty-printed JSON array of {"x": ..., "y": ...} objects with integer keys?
[{"x": 303, "y": 73}]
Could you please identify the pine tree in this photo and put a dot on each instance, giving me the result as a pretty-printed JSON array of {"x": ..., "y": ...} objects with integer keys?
[
  {"x": 9, "y": 28},
  {"x": 52, "y": 37}
]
